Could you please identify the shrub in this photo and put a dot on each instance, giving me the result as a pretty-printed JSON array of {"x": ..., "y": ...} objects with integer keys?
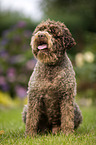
[{"x": 16, "y": 60}]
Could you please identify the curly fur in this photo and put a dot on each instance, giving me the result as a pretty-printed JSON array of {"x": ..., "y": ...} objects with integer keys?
[
  {"x": 52, "y": 85},
  {"x": 77, "y": 115}
]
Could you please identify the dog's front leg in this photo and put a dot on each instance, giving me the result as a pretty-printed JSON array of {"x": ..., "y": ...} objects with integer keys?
[
  {"x": 32, "y": 116},
  {"x": 67, "y": 114}
]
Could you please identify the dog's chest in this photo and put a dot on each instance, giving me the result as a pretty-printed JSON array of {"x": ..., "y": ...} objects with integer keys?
[{"x": 47, "y": 80}]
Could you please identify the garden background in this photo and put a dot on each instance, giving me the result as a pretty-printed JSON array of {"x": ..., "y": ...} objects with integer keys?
[{"x": 17, "y": 61}]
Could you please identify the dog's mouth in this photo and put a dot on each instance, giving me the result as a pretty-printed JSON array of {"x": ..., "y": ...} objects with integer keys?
[{"x": 42, "y": 46}]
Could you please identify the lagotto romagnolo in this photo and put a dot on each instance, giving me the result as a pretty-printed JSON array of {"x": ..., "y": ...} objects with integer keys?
[{"x": 52, "y": 85}]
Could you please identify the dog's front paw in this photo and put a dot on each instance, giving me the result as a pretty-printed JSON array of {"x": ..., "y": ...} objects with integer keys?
[{"x": 55, "y": 130}]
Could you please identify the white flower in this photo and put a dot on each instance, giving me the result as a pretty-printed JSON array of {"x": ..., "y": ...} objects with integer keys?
[
  {"x": 89, "y": 56},
  {"x": 79, "y": 60}
]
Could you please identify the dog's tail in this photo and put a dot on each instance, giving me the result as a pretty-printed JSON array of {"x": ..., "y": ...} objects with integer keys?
[{"x": 24, "y": 113}]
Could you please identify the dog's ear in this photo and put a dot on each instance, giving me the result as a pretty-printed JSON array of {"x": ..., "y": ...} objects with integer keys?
[{"x": 68, "y": 40}]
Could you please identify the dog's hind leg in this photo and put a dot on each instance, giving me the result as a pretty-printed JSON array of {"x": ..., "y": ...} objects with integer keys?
[{"x": 77, "y": 116}]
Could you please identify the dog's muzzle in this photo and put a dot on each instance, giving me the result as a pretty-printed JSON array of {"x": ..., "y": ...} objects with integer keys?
[{"x": 42, "y": 41}]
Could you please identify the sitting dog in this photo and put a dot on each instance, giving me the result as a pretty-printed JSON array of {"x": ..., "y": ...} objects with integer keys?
[{"x": 52, "y": 85}]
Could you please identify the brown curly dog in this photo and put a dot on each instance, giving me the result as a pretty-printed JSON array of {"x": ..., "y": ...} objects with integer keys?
[{"x": 52, "y": 85}]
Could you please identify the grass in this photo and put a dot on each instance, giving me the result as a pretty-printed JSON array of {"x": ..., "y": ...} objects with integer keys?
[{"x": 13, "y": 130}]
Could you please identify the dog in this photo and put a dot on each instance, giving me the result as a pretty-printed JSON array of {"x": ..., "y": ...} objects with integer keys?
[{"x": 52, "y": 85}]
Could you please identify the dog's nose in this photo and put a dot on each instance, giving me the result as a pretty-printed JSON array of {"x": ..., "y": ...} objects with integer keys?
[{"x": 41, "y": 35}]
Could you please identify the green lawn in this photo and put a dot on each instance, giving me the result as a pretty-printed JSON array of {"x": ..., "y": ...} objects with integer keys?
[{"x": 14, "y": 130}]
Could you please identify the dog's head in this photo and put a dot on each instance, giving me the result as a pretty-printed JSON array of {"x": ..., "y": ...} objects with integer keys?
[{"x": 50, "y": 40}]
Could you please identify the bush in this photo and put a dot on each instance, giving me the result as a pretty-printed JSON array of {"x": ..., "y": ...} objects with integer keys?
[{"x": 16, "y": 60}]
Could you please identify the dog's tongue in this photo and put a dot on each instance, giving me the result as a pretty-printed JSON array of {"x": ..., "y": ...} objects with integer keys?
[{"x": 42, "y": 46}]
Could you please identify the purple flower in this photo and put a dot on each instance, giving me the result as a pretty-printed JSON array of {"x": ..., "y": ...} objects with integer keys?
[
  {"x": 4, "y": 54},
  {"x": 2, "y": 80},
  {"x": 4, "y": 42},
  {"x": 3, "y": 85},
  {"x": 21, "y": 24},
  {"x": 20, "y": 91},
  {"x": 11, "y": 74}
]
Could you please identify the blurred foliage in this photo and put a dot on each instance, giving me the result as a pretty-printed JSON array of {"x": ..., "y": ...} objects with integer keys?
[
  {"x": 16, "y": 59},
  {"x": 8, "y": 19},
  {"x": 85, "y": 67},
  {"x": 75, "y": 13}
]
